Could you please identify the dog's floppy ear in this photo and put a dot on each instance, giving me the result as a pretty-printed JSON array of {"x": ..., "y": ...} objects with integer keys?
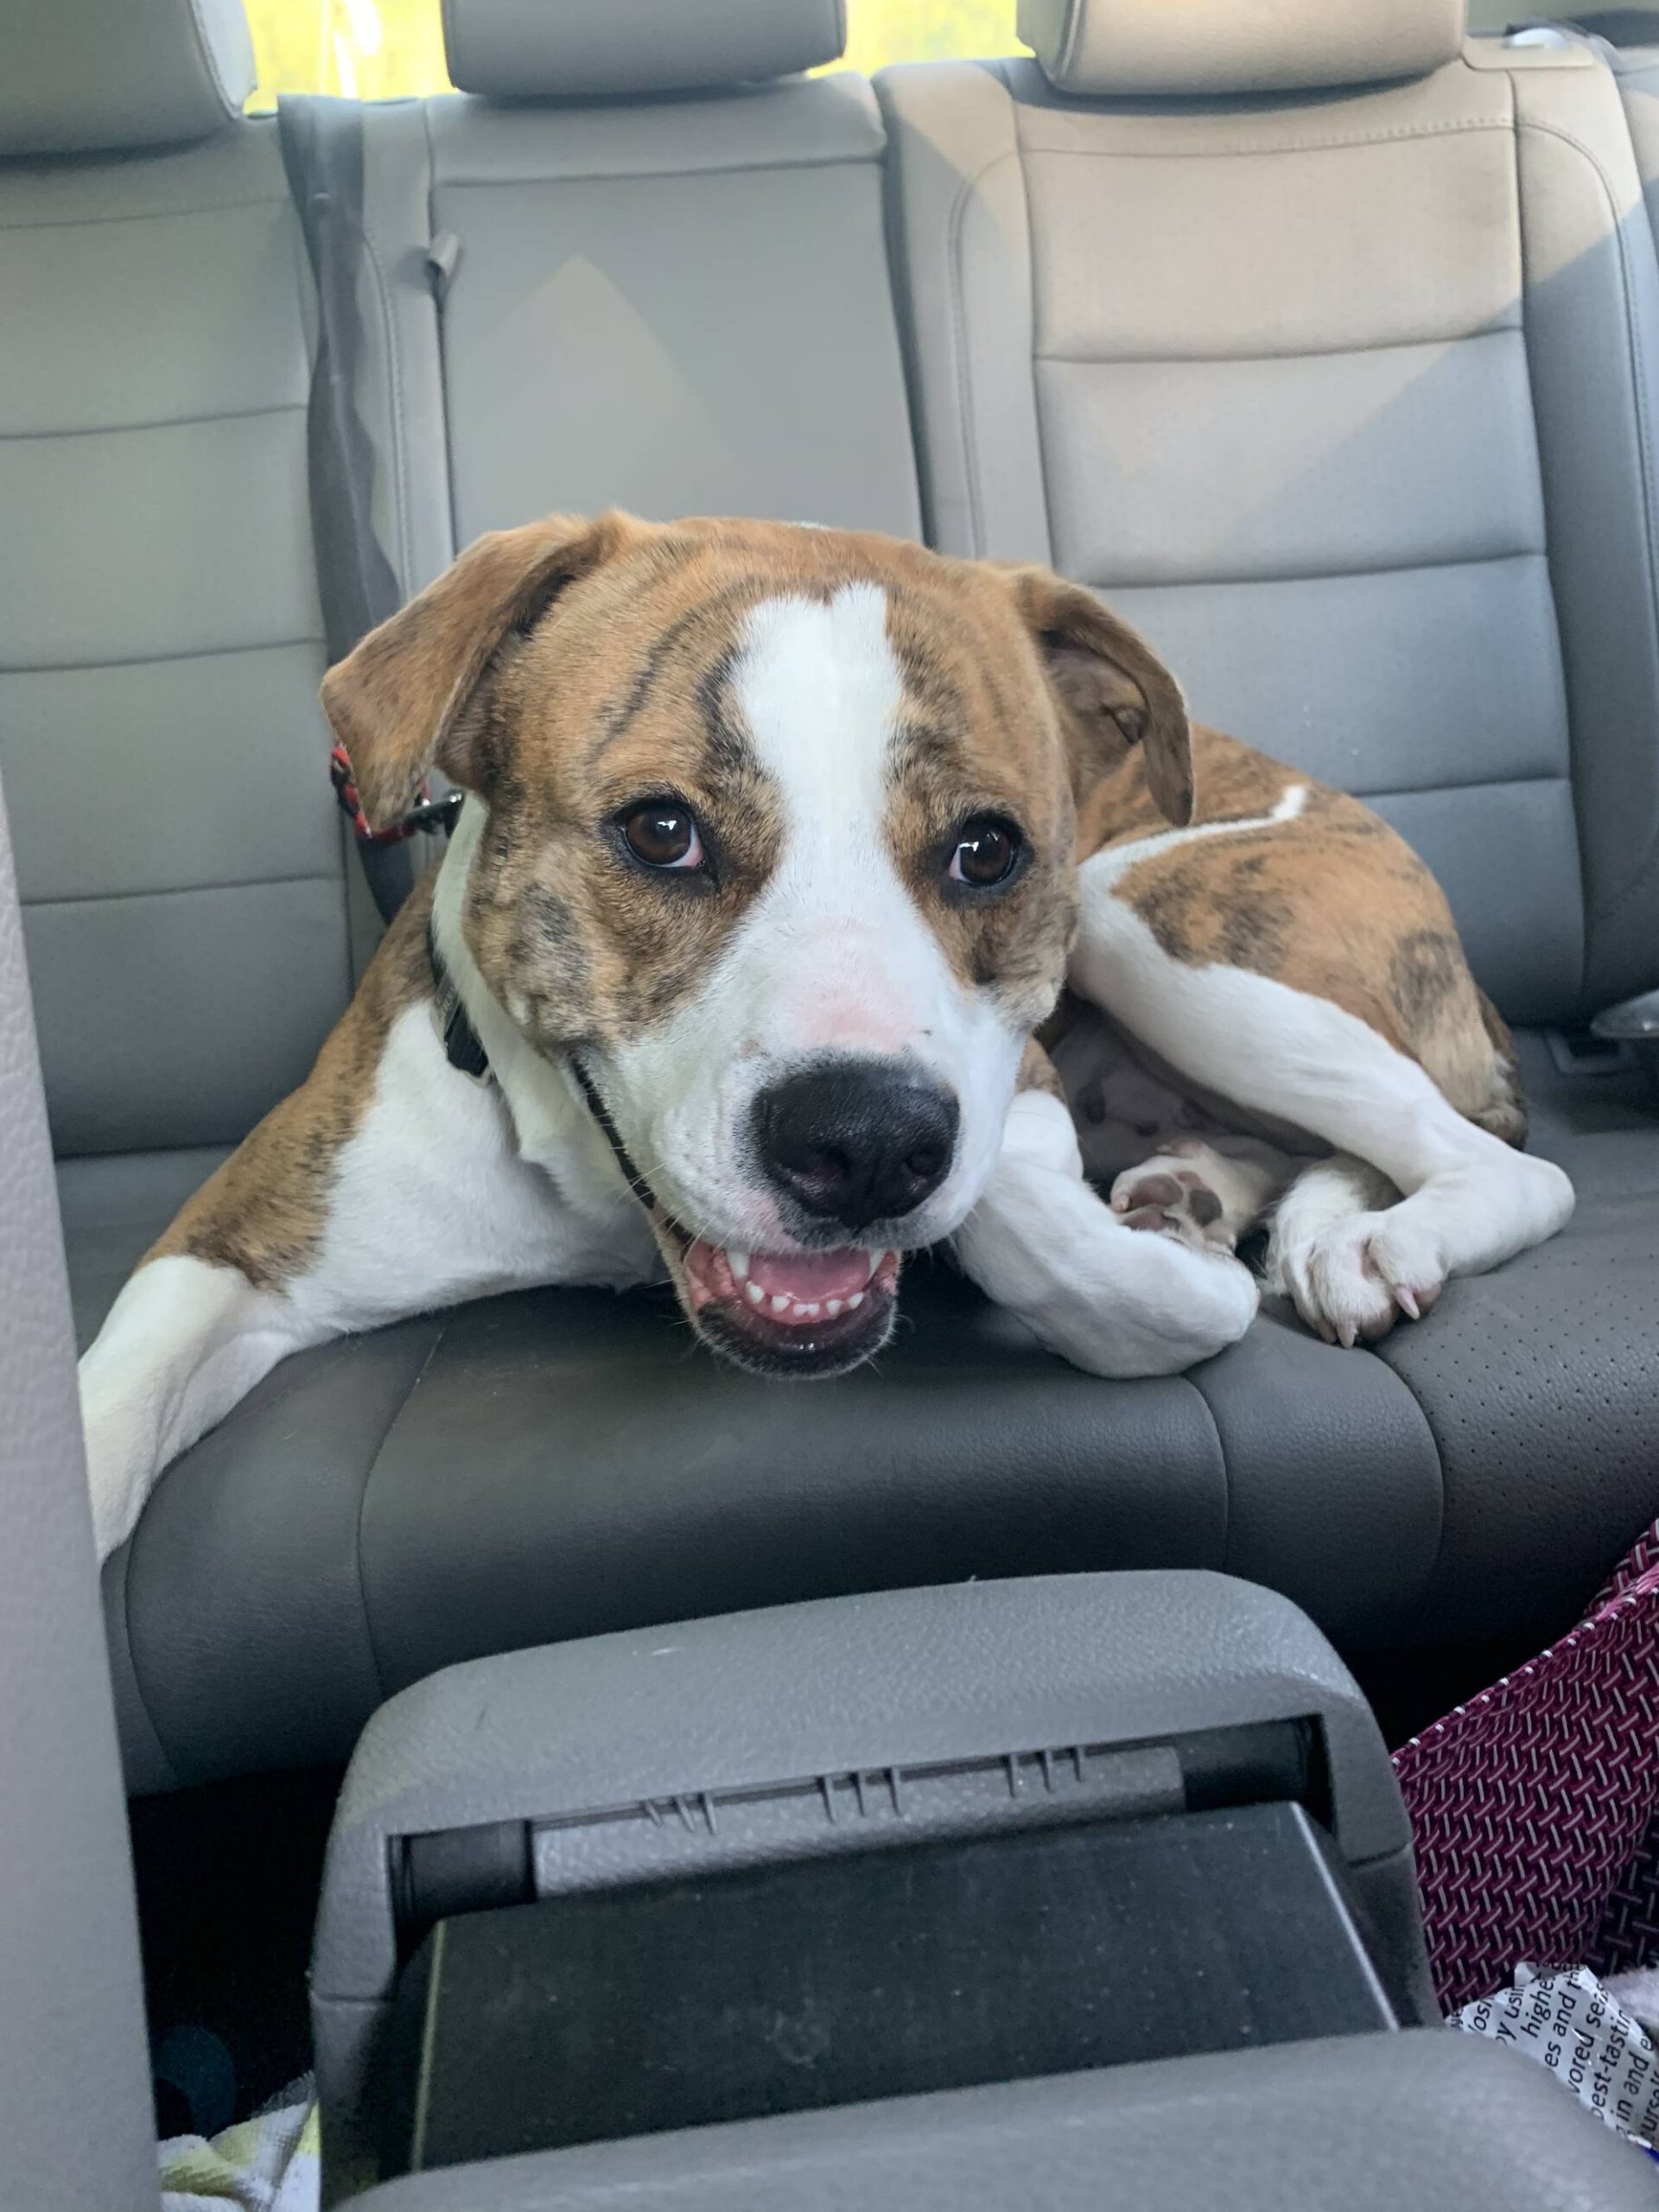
[
  {"x": 1113, "y": 689},
  {"x": 398, "y": 702}
]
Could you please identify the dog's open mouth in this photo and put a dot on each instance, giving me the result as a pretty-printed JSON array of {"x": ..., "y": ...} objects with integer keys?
[{"x": 804, "y": 1314}]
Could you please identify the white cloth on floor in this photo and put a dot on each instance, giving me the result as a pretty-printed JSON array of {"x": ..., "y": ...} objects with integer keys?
[{"x": 268, "y": 2163}]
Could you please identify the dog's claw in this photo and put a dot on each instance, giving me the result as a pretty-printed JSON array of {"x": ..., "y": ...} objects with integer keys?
[
  {"x": 1406, "y": 1298},
  {"x": 1347, "y": 1335}
]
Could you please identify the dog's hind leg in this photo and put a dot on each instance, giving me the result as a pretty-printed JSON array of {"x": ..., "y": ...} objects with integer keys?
[
  {"x": 1108, "y": 1299},
  {"x": 1469, "y": 1199}
]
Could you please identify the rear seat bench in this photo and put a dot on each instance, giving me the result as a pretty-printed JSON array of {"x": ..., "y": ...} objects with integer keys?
[
  {"x": 1347, "y": 395},
  {"x": 674, "y": 295}
]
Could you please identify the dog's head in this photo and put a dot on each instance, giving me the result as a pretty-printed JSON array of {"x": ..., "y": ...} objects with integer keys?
[{"x": 778, "y": 842}]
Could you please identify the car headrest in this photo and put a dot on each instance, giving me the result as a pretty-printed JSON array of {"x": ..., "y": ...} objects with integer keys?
[
  {"x": 105, "y": 76},
  {"x": 1186, "y": 47},
  {"x": 585, "y": 49}
]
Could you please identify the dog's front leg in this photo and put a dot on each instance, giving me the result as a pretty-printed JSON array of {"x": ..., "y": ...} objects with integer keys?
[
  {"x": 389, "y": 1184},
  {"x": 183, "y": 1343},
  {"x": 1111, "y": 1298}
]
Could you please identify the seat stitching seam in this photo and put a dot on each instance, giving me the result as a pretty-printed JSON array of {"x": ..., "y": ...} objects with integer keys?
[
  {"x": 1225, "y": 1552},
  {"x": 392, "y": 1419},
  {"x": 156, "y": 660},
  {"x": 1605, "y": 910},
  {"x": 1427, "y": 1588},
  {"x": 781, "y": 167},
  {"x": 1423, "y": 565},
  {"x": 183, "y": 890},
  {"x": 1402, "y": 136},
  {"x": 147, "y": 215},
  {"x": 1467, "y": 783},
  {"x": 965, "y": 191},
  {"x": 1292, "y": 353},
  {"x": 137, "y": 1673},
  {"x": 161, "y": 422}
]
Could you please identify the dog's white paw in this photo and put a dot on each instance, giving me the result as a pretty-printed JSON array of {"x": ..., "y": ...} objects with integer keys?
[
  {"x": 1043, "y": 1243},
  {"x": 1354, "y": 1280},
  {"x": 1142, "y": 1305},
  {"x": 1175, "y": 1193}
]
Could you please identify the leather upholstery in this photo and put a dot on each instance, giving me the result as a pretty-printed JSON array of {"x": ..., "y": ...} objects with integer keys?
[
  {"x": 71, "y": 2026},
  {"x": 680, "y": 309},
  {"x": 180, "y": 858},
  {"x": 1093, "y": 47},
  {"x": 1341, "y": 397},
  {"x": 1347, "y": 403},
  {"x": 91, "y": 76},
  {"x": 556, "y": 1466},
  {"x": 1372, "y": 2123},
  {"x": 570, "y": 50}
]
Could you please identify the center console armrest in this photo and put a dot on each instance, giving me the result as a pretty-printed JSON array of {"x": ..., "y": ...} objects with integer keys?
[
  {"x": 1428, "y": 2121},
  {"x": 805, "y": 1734}
]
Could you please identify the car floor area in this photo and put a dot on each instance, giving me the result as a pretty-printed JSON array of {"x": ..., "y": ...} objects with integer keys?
[{"x": 227, "y": 1879}]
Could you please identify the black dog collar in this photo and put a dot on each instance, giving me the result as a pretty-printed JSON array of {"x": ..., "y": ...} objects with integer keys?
[{"x": 464, "y": 1049}]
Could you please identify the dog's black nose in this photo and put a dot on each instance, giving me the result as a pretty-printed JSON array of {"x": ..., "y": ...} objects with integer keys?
[{"x": 857, "y": 1143}]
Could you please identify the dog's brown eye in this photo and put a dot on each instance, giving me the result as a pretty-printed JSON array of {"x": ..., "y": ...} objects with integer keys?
[
  {"x": 664, "y": 835},
  {"x": 987, "y": 853}
]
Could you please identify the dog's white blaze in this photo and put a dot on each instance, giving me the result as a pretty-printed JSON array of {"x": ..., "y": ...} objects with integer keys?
[
  {"x": 852, "y": 963},
  {"x": 836, "y": 955}
]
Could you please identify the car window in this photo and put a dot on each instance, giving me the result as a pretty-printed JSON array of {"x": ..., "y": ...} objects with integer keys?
[{"x": 390, "y": 49}]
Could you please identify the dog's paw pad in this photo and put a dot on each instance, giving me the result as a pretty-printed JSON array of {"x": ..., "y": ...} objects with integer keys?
[{"x": 1163, "y": 1195}]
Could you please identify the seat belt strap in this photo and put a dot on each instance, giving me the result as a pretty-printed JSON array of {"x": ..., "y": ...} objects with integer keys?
[{"x": 322, "y": 154}]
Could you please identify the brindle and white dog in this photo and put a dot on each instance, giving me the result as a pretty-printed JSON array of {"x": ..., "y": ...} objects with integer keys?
[{"x": 770, "y": 860}]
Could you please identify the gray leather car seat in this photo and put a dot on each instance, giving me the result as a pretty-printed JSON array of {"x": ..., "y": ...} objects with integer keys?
[
  {"x": 1345, "y": 393},
  {"x": 72, "y": 2028},
  {"x": 683, "y": 301},
  {"x": 179, "y": 859}
]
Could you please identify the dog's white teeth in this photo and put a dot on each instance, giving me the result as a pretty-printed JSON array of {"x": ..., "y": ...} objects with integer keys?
[
  {"x": 738, "y": 1263},
  {"x": 855, "y": 1301},
  {"x": 809, "y": 1313},
  {"x": 832, "y": 1307},
  {"x": 781, "y": 1301},
  {"x": 757, "y": 1296},
  {"x": 873, "y": 1257}
]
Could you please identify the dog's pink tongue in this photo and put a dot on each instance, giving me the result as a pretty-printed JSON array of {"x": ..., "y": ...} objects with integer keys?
[{"x": 804, "y": 1276}]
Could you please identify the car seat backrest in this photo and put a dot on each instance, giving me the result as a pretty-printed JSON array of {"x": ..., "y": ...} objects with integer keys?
[
  {"x": 677, "y": 302},
  {"x": 164, "y": 758},
  {"x": 75, "y": 2122},
  {"x": 1344, "y": 394}
]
